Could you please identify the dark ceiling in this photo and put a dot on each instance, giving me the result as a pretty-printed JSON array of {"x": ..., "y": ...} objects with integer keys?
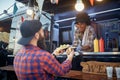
[
  {"x": 68, "y": 5},
  {"x": 65, "y": 8}
]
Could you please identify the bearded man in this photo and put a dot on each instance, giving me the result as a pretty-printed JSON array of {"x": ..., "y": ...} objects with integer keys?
[{"x": 32, "y": 61}]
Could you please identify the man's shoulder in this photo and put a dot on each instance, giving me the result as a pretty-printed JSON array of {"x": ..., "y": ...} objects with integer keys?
[{"x": 42, "y": 52}]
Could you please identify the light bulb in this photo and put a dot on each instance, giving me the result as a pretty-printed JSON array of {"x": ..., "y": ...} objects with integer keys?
[
  {"x": 99, "y": 0},
  {"x": 29, "y": 11},
  {"x": 79, "y": 6}
]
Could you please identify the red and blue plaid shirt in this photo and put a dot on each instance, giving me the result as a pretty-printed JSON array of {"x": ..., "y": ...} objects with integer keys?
[{"x": 33, "y": 63}]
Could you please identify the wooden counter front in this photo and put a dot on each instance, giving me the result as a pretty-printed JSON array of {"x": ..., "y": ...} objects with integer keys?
[
  {"x": 86, "y": 76},
  {"x": 73, "y": 74}
]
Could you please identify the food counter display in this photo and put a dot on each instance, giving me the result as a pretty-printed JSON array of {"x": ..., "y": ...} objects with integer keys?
[
  {"x": 90, "y": 56},
  {"x": 76, "y": 71},
  {"x": 83, "y": 57},
  {"x": 101, "y": 56}
]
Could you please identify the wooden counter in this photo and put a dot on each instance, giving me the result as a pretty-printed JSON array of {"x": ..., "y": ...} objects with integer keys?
[
  {"x": 86, "y": 76},
  {"x": 7, "y": 68},
  {"x": 73, "y": 74}
]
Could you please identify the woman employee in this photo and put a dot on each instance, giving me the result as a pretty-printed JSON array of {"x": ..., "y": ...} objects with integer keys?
[{"x": 84, "y": 33}]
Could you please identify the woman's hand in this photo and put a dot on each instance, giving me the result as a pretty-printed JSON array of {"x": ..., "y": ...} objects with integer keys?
[{"x": 85, "y": 47}]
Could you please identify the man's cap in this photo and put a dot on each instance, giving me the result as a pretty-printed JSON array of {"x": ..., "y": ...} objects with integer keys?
[
  {"x": 28, "y": 29},
  {"x": 82, "y": 17}
]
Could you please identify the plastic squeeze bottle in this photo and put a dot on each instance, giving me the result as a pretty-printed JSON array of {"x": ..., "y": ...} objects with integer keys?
[
  {"x": 101, "y": 44},
  {"x": 96, "y": 45}
]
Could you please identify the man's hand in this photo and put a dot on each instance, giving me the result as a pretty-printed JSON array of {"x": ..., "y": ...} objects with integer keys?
[
  {"x": 70, "y": 53},
  {"x": 69, "y": 50}
]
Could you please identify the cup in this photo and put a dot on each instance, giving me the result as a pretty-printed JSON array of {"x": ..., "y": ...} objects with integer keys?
[
  {"x": 117, "y": 69},
  {"x": 109, "y": 72}
]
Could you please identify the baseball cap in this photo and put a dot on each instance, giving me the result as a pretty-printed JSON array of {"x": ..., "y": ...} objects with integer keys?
[
  {"x": 28, "y": 29},
  {"x": 82, "y": 17}
]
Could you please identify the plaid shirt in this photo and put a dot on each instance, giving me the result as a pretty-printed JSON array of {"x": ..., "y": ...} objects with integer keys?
[
  {"x": 33, "y": 63},
  {"x": 78, "y": 40}
]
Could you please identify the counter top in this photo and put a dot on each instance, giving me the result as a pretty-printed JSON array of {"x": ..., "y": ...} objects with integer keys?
[
  {"x": 93, "y": 54},
  {"x": 100, "y": 53},
  {"x": 7, "y": 68},
  {"x": 73, "y": 74},
  {"x": 87, "y": 53},
  {"x": 78, "y": 75}
]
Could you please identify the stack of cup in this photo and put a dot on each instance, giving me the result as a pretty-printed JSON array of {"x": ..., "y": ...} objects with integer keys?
[
  {"x": 109, "y": 71},
  {"x": 117, "y": 69}
]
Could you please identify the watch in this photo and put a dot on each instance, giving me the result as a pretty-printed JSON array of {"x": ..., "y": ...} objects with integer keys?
[{"x": 54, "y": 55}]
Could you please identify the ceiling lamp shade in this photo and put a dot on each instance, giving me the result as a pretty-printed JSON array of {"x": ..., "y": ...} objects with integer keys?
[{"x": 79, "y": 6}]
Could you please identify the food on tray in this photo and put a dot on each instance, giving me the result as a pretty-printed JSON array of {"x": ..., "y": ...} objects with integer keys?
[
  {"x": 65, "y": 46},
  {"x": 61, "y": 48}
]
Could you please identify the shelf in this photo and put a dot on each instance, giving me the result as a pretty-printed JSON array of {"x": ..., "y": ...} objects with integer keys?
[
  {"x": 101, "y": 53},
  {"x": 115, "y": 31}
]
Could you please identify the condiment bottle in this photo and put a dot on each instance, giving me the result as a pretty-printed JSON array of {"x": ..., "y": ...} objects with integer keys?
[
  {"x": 101, "y": 45},
  {"x": 96, "y": 45}
]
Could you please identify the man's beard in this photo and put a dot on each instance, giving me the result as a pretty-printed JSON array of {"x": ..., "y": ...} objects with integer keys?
[{"x": 41, "y": 43}]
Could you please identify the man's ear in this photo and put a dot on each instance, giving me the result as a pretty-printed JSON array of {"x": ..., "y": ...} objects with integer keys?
[
  {"x": 36, "y": 35},
  {"x": 42, "y": 32}
]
